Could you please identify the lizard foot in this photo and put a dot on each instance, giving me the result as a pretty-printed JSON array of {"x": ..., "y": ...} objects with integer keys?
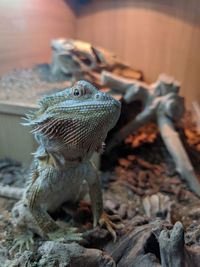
[
  {"x": 64, "y": 235},
  {"x": 106, "y": 220},
  {"x": 22, "y": 242}
]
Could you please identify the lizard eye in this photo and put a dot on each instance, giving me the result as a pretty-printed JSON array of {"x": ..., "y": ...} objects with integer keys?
[
  {"x": 80, "y": 91},
  {"x": 76, "y": 92}
]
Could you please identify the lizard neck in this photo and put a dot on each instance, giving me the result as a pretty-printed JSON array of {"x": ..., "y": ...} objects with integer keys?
[{"x": 62, "y": 159}]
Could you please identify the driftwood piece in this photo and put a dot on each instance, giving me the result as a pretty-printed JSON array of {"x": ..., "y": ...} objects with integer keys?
[
  {"x": 70, "y": 57},
  {"x": 178, "y": 153},
  {"x": 130, "y": 88},
  {"x": 137, "y": 249},
  {"x": 172, "y": 247},
  {"x": 72, "y": 255},
  {"x": 76, "y": 59},
  {"x": 154, "y": 244},
  {"x": 163, "y": 105},
  {"x": 143, "y": 243},
  {"x": 173, "y": 250},
  {"x": 52, "y": 253},
  {"x": 196, "y": 113},
  {"x": 11, "y": 192}
]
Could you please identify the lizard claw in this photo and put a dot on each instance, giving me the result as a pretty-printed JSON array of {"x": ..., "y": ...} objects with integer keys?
[
  {"x": 106, "y": 220},
  {"x": 22, "y": 242},
  {"x": 63, "y": 235}
]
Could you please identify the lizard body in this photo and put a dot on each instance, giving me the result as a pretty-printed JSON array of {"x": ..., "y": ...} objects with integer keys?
[{"x": 69, "y": 127}]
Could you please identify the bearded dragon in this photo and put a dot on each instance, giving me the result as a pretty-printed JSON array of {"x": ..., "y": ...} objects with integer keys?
[{"x": 69, "y": 127}]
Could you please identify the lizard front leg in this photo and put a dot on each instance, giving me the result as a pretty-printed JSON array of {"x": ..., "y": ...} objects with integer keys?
[
  {"x": 43, "y": 220},
  {"x": 99, "y": 216},
  {"x": 47, "y": 226}
]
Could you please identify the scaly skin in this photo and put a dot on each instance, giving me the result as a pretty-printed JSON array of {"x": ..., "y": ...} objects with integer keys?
[{"x": 69, "y": 127}]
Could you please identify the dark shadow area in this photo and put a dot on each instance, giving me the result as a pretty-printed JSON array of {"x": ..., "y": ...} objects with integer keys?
[
  {"x": 184, "y": 10},
  {"x": 74, "y": 5},
  {"x": 152, "y": 246}
]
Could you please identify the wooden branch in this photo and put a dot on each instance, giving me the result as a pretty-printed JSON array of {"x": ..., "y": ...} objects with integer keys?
[
  {"x": 163, "y": 105},
  {"x": 72, "y": 255},
  {"x": 172, "y": 247},
  {"x": 178, "y": 153}
]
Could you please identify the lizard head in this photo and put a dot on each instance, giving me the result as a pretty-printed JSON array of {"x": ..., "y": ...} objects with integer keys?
[{"x": 80, "y": 115}]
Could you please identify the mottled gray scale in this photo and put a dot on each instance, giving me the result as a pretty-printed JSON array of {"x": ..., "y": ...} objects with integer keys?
[
  {"x": 69, "y": 127},
  {"x": 54, "y": 181}
]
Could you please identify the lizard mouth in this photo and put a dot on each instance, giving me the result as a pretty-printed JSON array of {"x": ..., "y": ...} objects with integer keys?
[{"x": 93, "y": 105}]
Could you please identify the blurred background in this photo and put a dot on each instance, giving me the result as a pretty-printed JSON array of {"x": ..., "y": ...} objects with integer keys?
[
  {"x": 150, "y": 167},
  {"x": 150, "y": 35}
]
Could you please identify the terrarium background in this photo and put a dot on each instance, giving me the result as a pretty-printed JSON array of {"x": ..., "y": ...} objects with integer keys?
[{"x": 152, "y": 35}]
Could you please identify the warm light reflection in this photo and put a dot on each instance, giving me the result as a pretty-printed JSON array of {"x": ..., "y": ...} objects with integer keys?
[{"x": 12, "y": 3}]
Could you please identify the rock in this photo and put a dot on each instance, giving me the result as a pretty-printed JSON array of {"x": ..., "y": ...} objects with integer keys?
[{"x": 72, "y": 255}]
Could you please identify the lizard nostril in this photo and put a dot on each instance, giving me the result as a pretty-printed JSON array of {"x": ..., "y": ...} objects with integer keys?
[
  {"x": 16, "y": 213},
  {"x": 97, "y": 96}
]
